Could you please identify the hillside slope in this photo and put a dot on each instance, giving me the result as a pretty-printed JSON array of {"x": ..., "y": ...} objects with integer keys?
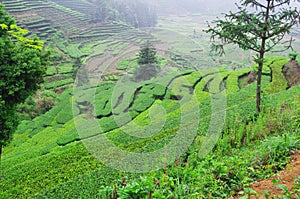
[
  {"x": 51, "y": 151},
  {"x": 79, "y": 19},
  {"x": 45, "y": 18}
]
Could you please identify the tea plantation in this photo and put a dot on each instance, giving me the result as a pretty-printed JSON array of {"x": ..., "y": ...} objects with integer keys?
[
  {"x": 48, "y": 158},
  {"x": 197, "y": 115}
]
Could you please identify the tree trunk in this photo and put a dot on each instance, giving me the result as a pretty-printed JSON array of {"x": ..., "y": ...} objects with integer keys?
[
  {"x": 0, "y": 152},
  {"x": 261, "y": 57},
  {"x": 258, "y": 87},
  {"x": 0, "y": 161}
]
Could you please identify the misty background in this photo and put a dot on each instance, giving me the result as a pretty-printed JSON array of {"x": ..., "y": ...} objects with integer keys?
[{"x": 179, "y": 7}]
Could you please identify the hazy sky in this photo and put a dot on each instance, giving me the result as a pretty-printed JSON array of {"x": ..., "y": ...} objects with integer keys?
[
  {"x": 180, "y": 6},
  {"x": 200, "y": 6}
]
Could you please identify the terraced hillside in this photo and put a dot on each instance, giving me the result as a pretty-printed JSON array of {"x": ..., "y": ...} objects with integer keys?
[
  {"x": 48, "y": 156},
  {"x": 69, "y": 27},
  {"x": 41, "y": 17},
  {"x": 81, "y": 6},
  {"x": 51, "y": 156},
  {"x": 76, "y": 19}
]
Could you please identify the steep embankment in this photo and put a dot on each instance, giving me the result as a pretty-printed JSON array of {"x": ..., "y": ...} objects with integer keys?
[{"x": 287, "y": 177}]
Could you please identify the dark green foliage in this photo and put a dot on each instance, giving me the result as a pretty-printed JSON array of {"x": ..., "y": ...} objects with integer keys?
[
  {"x": 8, "y": 123},
  {"x": 22, "y": 70},
  {"x": 147, "y": 55},
  {"x": 22, "y": 67},
  {"x": 148, "y": 63}
]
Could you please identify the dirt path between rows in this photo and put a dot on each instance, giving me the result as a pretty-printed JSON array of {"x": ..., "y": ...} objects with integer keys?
[{"x": 287, "y": 177}]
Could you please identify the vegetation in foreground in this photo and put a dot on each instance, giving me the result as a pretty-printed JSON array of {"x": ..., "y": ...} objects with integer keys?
[
  {"x": 48, "y": 159},
  {"x": 22, "y": 65},
  {"x": 57, "y": 166}
]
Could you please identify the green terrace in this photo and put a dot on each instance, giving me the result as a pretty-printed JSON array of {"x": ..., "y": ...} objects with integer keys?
[
  {"x": 95, "y": 92},
  {"x": 40, "y": 17},
  {"x": 55, "y": 143},
  {"x": 77, "y": 5},
  {"x": 35, "y": 15}
]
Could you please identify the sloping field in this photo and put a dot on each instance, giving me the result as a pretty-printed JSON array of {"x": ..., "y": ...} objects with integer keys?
[
  {"x": 45, "y": 18},
  {"x": 49, "y": 154}
]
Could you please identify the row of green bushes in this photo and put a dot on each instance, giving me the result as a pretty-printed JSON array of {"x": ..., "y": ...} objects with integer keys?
[
  {"x": 60, "y": 83},
  {"x": 223, "y": 173},
  {"x": 279, "y": 81},
  {"x": 53, "y": 139}
]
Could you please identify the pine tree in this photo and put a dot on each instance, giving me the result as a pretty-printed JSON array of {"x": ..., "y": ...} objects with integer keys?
[
  {"x": 147, "y": 54},
  {"x": 148, "y": 64},
  {"x": 259, "y": 29}
]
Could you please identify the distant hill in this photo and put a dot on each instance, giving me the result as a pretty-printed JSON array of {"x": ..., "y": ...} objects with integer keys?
[{"x": 79, "y": 18}]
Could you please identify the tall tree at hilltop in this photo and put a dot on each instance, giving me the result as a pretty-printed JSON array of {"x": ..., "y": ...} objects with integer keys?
[
  {"x": 258, "y": 25},
  {"x": 22, "y": 67}
]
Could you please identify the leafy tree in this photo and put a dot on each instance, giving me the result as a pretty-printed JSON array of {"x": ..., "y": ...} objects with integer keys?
[
  {"x": 258, "y": 25},
  {"x": 22, "y": 66},
  {"x": 148, "y": 63}
]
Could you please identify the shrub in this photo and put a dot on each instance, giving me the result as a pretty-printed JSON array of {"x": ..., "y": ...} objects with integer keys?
[
  {"x": 68, "y": 137},
  {"x": 232, "y": 82},
  {"x": 142, "y": 102}
]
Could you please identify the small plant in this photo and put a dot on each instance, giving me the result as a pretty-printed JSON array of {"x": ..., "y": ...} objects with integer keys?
[{"x": 293, "y": 56}]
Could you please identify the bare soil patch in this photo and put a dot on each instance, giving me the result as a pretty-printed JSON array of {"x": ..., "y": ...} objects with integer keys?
[
  {"x": 292, "y": 73},
  {"x": 287, "y": 178}
]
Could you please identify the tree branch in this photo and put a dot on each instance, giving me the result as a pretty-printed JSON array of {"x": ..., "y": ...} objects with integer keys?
[
  {"x": 289, "y": 46},
  {"x": 254, "y": 4},
  {"x": 280, "y": 4}
]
